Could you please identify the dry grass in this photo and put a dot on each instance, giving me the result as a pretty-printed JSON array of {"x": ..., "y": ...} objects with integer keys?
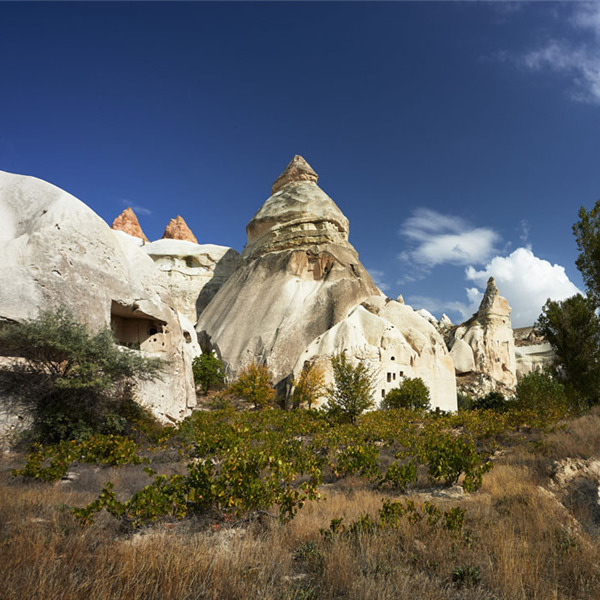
[{"x": 523, "y": 539}]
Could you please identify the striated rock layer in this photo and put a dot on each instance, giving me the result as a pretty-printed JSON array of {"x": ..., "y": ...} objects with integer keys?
[
  {"x": 57, "y": 251},
  {"x": 128, "y": 223},
  {"x": 297, "y": 297}
]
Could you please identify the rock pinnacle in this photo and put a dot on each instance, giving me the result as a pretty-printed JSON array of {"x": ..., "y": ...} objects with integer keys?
[
  {"x": 297, "y": 171},
  {"x": 128, "y": 223},
  {"x": 177, "y": 229}
]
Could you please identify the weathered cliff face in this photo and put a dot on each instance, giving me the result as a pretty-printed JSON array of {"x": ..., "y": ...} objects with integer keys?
[
  {"x": 297, "y": 296},
  {"x": 485, "y": 343},
  {"x": 194, "y": 272},
  {"x": 57, "y": 251},
  {"x": 532, "y": 351}
]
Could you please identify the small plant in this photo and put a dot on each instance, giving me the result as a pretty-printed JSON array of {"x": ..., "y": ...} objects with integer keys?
[
  {"x": 493, "y": 401},
  {"x": 466, "y": 576},
  {"x": 359, "y": 459},
  {"x": 412, "y": 393},
  {"x": 208, "y": 370},
  {"x": 400, "y": 476},
  {"x": 253, "y": 384}
]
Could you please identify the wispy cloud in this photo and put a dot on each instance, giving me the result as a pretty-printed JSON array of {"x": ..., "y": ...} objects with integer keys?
[
  {"x": 378, "y": 278},
  {"x": 434, "y": 239},
  {"x": 578, "y": 61},
  {"x": 137, "y": 208}
]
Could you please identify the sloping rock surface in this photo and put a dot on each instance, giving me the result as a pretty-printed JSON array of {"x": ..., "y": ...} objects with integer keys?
[
  {"x": 177, "y": 229},
  {"x": 57, "y": 251}
]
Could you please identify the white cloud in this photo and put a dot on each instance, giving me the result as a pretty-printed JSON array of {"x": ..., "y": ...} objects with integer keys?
[
  {"x": 580, "y": 62},
  {"x": 437, "y": 239},
  {"x": 526, "y": 281},
  {"x": 137, "y": 208}
]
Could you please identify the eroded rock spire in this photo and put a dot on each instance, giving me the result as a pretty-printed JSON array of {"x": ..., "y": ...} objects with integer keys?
[
  {"x": 177, "y": 229},
  {"x": 297, "y": 171},
  {"x": 128, "y": 223}
]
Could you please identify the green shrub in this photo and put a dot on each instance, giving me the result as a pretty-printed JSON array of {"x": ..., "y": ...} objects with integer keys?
[
  {"x": 412, "y": 393},
  {"x": 493, "y": 401},
  {"x": 253, "y": 384},
  {"x": 352, "y": 390},
  {"x": 539, "y": 391},
  {"x": 72, "y": 383},
  {"x": 208, "y": 370}
]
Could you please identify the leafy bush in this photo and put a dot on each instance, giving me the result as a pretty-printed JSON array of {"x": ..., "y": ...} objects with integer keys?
[
  {"x": 253, "y": 384},
  {"x": 71, "y": 382},
  {"x": 492, "y": 401},
  {"x": 309, "y": 387},
  {"x": 539, "y": 391},
  {"x": 411, "y": 393},
  {"x": 352, "y": 390},
  {"x": 208, "y": 370}
]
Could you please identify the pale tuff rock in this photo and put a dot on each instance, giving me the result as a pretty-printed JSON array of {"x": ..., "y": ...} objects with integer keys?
[
  {"x": 194, "y": 272},
  {"x": 177, "y": 229},
  {"x": 297, "y": 296},
  {"x": 532, "y": 351},
  {"x": 57, "y": 251},
  {"x": 485, "y": 343},
  {"x": 129, "y": 224},
  {"x": 427, "y": 316},
  {"x": 298, "y": 170}
]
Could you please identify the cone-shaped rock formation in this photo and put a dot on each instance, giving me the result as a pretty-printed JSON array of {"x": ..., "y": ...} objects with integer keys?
[
  {"x": 128, "y": 223},
  {"x": 177, "y": 229},
  {"x": 297, "y": 296}
]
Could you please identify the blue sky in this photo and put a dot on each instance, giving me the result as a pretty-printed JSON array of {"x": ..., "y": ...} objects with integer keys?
[{"x": 459, "y": 138}]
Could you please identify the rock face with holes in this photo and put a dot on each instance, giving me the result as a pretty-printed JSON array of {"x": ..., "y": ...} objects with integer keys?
[
  {"x": 57, "y": 251},
  {"x": 194, "y": 272},
  {"x": 484, "y": 344},
  {"x": 128, "y": 223},
  {"x": 301, "y": 294}
]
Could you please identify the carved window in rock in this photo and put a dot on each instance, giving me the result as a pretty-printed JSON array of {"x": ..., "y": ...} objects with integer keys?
[
  {"x": 137, "y": 330},
  {"x": 389, "y": 377}
]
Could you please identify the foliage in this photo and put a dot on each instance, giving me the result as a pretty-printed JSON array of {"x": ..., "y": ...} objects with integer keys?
[
  {"x": 50, "y": 463},
  {"x": 587, "y": 235},
  {"x": 464, "y": 401},
  {"x": 491, "y": 401},
  {"x": 539, "y": 391},
  {"x": 352, "y": 390},
  {"x": 572, "y": 327},
  {"x": 72, "y": 383},
  {"x": 253, "y": 384},
  {"x": 208, "y": 370},
  {"x": 309, "y": 387},
  {"x": 359, "y": 459},
  {"x": 412, "y": 393},
  {"x": 400, "y": 476}
]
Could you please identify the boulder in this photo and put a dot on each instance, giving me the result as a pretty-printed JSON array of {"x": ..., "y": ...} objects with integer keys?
[
  {"x": 194, "y": 272},
  {"x": 128, "y": 223},
  {"x": 298, "y": 291},
  {"x": 489, "y": 335},
  {"x": 177, "y": 229},
  {"x": 57, "y": 252}
]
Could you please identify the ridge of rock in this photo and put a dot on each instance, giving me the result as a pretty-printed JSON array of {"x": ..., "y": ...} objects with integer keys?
[
  {"x": 298, "y": 170},
  {"x": 129, "y": 224},
  {"x": 492, "y": 302},
  {"x": 177, "y": 229}
]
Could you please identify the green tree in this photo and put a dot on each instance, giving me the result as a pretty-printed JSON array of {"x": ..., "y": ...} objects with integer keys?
[
  {"x": 540, "y": 391},
  {"x": 208, "y": 370},
  {"x": 587, "y": 235},
  {"x": 253, "y": 384},
  {"x": 572, "y": 327},
  {"x": 71, "y": 382},
  {"x": 352, "y": 390},
  {"x": 309, "y": 387},
  {"x": 491, "y": 401},
  {"x": 411, "y": 393}
]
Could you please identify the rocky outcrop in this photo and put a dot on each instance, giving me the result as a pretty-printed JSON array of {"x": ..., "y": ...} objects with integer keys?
[
  {"x": 128, "y": 223},
  {"x": 298, "y": 292},
  {"x": 177, "y": 229},
  {"x": 194, "y": 272},
  {"x": 485, "y": 344},
  {"x": 532, "y": 351},
  {"x": 57, "y": 252}
]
